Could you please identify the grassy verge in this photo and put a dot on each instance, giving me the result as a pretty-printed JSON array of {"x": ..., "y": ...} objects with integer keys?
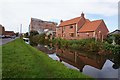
[
  {"x": 23, "y": 61},
  {"x": 0, "y": 62}
]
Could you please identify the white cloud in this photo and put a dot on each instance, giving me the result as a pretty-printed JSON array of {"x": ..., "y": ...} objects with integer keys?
[{"x": 16, "y": 12}]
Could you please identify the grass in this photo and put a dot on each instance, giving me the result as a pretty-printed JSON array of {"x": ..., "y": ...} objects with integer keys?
[
  {"x": 0, "y": 62},
  {"x": 20, "y": 60}
]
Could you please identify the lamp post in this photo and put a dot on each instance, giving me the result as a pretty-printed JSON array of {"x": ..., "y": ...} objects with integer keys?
[{"x": 20, "y": 30}]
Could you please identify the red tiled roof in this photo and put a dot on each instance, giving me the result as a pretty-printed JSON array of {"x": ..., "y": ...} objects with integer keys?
[
  {"x": 90, "y": 26},
  {"x": 71, "y": 21},
  {"x": 87, "y": 20}
]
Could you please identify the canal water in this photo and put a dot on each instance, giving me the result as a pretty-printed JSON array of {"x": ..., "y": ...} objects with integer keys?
[{"x": 89, "y": 64}]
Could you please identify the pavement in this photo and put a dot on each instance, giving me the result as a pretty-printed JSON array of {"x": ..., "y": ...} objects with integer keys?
[{"x": 5, "y": 40}]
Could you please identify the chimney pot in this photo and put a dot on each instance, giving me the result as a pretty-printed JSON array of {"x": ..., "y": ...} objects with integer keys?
[
  {"x": 61, "y": 21},
  {"x": 82, "y": 15}
]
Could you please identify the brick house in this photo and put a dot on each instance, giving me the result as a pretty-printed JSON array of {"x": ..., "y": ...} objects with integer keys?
[
  {"x": 2, "y": 30},
  {"x": 9, "y": 33},
  {"x": 81, "y": 28},
  {"x": 42, "y": 26}
]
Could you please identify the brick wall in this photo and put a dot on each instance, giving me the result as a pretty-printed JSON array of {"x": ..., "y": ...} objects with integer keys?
[
  {"x": 85, "y": 35},
  {"x": 37, "y": 24},
  {"x": 67, "y": 32},
  {"x": 2, "y": 30},
  {"x": 102, "y": 30},
  {"x": 81, "y": 22},
  {"x": 59, "y": 32}
]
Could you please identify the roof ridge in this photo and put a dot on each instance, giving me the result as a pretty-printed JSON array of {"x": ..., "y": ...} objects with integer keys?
[{"x": 72, "y": 19}]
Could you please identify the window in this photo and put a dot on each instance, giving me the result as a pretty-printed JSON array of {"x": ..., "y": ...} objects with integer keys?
[
  {"x": 71, "y": 26},
  {"x": 57, "y": 28},
  {"x": 59, "y": 35},
  {"x": 72, "y": 34},
  {"x": 87, "y": 34}
]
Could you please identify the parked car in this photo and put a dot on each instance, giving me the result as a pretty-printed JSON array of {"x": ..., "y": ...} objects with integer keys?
[{"x": 13, "y": 37}]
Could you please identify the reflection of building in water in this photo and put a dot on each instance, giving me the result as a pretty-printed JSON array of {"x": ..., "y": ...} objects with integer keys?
[{"x": 80, "y": 60}]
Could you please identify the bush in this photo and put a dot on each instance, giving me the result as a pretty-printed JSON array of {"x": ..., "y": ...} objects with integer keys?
[
  {"x": 117, "y": 38},
  {"x": 115, "y": 49},
  {"x": 26, "y": 35},
  {"x": 33, "y": 33},
  {"x": 110, "y": 39}
]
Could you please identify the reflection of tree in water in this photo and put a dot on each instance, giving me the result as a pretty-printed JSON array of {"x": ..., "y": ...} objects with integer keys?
[{"x": 115, "y": 58}]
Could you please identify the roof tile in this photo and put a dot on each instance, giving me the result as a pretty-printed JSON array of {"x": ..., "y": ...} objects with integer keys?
[
  {"x": 90, "y": 26},
  {"x": 71, "y": 21}
]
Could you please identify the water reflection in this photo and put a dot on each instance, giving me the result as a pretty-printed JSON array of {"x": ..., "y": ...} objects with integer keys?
[
  {"x": 45, "y": 48},
  {"x": 79, "y": 60},
  {"x": 93, "y": 65}
]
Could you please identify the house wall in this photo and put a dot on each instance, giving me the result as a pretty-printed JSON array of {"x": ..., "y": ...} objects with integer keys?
[
  {"x": 2, "y": 30},
  {"x": 86, "y": 35},
  {"x": 66, "y": 32},
  {"x": 69, "y": 32},
  {"x": 100, "y": 33},
  {"x": 59, "y": 32},
  {"x": 102, "y": 30},
  {"x": 9, "y": 33},
  {"x": 39, "y": 25},
  {"x": 81, "y": 23}
]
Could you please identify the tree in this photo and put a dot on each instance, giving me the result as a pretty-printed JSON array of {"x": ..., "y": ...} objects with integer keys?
[
  {"x": 17, "y": 34},
  {"x": 32, "y": 33},
  {"x": 26, "y": 35},
  {"x": 31, "y": 38}
]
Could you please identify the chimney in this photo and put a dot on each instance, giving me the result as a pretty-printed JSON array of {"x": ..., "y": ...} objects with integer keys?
[
  {"x": 61, "y": 21},
  {"x": 82, "y": 15}
]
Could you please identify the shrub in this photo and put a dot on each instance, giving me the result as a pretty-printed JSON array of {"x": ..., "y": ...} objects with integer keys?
[
  {"x": 114, "y": 36},
  {"x": 32, "y": 33},
  {"x": 115, "y": 49},
  {"x": 117, "y": 38}
]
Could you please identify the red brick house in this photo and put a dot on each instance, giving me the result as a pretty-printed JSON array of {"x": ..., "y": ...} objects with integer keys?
[
  {"x": 2, "y": 30},
  {"x": 9, "y": 33},
  {"x": 81, "y": 28}
]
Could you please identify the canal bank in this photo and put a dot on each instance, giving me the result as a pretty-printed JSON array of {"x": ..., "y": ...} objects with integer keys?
[{"x": 20, "y": 60}]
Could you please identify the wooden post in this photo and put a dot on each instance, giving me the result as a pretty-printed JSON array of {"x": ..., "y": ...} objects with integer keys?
[
  {"x": 75, "y": 57},
  {"x": 60, "y": 60}
]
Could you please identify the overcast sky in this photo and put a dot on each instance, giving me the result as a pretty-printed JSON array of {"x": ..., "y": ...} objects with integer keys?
[{"x": 16, "y": 12}]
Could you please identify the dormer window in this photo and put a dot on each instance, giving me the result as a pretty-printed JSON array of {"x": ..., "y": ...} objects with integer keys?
[{"x": 71, "y": 26}]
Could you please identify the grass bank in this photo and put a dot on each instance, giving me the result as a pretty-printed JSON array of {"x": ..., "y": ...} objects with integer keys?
[{"x": 23, "y": 61}]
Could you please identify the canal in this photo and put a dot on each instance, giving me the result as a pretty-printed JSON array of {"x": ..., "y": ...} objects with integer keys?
[{"x": 96, "y": 66}]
